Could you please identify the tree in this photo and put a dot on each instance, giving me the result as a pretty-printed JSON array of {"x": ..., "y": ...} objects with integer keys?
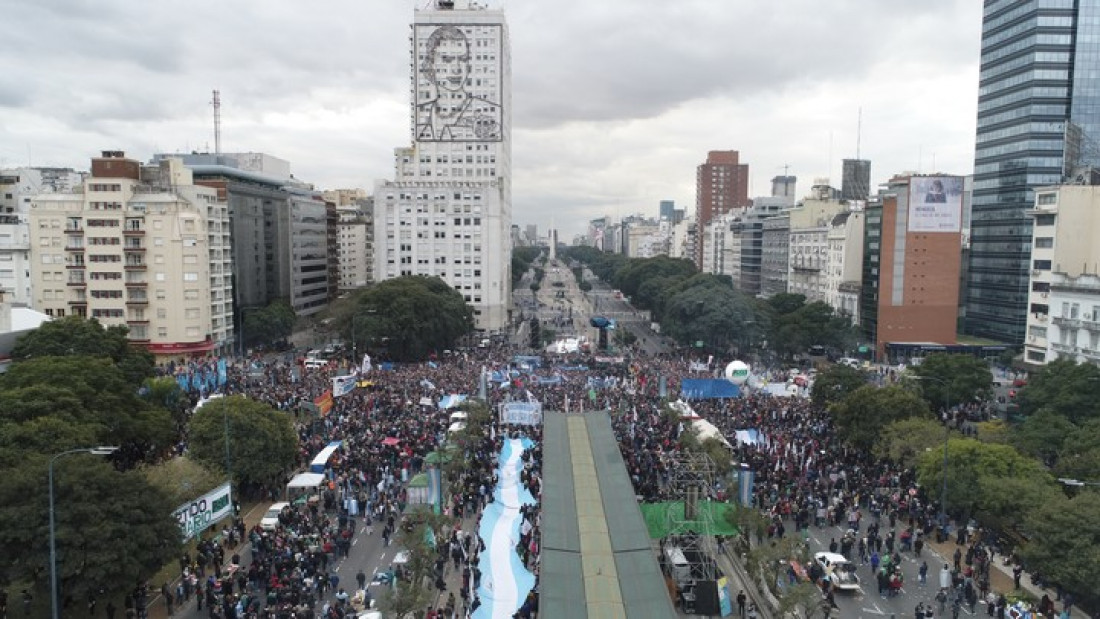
[
  {"x": 76, "y": 336},
  {"x": 181, "y": 479},
  {"x": 113, "y": 529},
  {"x": 715, "y": 315},
  {"x": 992, "y": 481},
  {"x": 417, "y": 535},
  {"x": 86, "y": 391},
  {"x": 803, "y": 600},
  {"x": 1079, "y": 457},
  {"x": 1042, "y": 435},
  {"x": 269, "y": 324},
  {"x": 262, "y": 441},
  {"x": 1066, "y": 388},
  {"x": 905, "y": 441},
  {"x": 861, "y": 415},
  {"x": 414, "y": 315},
  {"x": 836, "y": 383},
  {"x": 1063, "y": 544},
  {"x": 957, "y": 379},
  {"x": 812, "y": 324}
]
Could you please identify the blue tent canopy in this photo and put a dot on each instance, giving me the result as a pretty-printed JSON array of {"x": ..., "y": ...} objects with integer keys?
[{"x": 708, "y": 389}]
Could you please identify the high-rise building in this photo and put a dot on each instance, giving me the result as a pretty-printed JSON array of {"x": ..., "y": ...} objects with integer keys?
[
  {"x": 143, "y": 247},
  {"x": 912, "y": 257},
  {"x": 668, "y": 209},
  {"x": 855, "y": 180},
  {"x": 721, "y": 185},
  {"x": 448, "y": 211},
  {"x": 1038, "y": 120},
  {"x": 356, "y": 240}
]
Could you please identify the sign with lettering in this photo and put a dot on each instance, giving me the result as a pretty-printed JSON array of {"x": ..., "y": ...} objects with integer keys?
[{"x": 198, "y": 515}]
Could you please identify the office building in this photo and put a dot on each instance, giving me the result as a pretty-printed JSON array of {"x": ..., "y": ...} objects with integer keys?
[
  {"x": 140, "y": 247},
  {"x": 844, "y": 264},
  {"x": 775, "y": 244},
  {"x": 912, "y": 257},
  {"x": 1038, "y": 122},
  {"x": 283, "y": 248},
  {"x": 1063, "y": 318},
  {"x": 448, "y": 211},
  {"x": 855, "y": 180},
  {"x": 721, "y": 187}
]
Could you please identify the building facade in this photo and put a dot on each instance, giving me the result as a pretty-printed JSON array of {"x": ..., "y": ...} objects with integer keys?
[
  {"x": 1038, "y": 122},
  {"x": 142, "y": 247},
  {"x": 809, "y": 247},
  {"x": 855, "y": 180},
  {"x": 1063, "y": 319},
  {"x": 721, "y": 187},
  {"x": 844, "y": 263},
  {"x": 356, "y": 244},
  {"x": 775, "y": 244},
  {"x": 280, "y": 230},
  {"x": 915, "y": 239},
  {"x": 17, "y": 188},
  {"x": 448, "y": 211}
]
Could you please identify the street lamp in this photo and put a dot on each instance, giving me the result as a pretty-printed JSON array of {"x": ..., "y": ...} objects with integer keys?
[
  {"x": 946, "y": 436},
  {"x": 95, "y": 451}
]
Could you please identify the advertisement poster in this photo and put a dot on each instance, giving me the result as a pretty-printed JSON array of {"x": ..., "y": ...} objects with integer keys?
[
  {"x": 935, "y": 203},
  {"x": 725, "y": 604},
  {"x": 196, "y": 516}
]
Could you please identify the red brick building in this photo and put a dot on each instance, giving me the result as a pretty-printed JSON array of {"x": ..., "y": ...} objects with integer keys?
[{"x": 721, "y": 185}]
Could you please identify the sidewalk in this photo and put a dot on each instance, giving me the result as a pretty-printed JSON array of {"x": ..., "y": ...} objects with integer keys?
[{"x": 1000, "y": 574}]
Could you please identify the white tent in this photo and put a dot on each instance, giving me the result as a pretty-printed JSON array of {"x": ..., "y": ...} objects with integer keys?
[
  {"x": 706, "y": 429},
  {"x": 306, "y": 481}
]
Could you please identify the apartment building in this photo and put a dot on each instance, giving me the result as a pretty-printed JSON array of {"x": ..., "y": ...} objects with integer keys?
[{"x": 141, "y": 247}]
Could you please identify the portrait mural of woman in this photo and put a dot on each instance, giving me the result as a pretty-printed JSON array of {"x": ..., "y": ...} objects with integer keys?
[{"x": 450, "y": 111}]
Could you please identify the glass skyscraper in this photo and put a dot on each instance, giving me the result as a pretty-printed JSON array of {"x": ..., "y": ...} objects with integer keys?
[{"x": 1038, "y": 121}]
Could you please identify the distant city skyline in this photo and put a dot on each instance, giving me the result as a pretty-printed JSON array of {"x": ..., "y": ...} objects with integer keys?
[{"x": 610, "y": 124}]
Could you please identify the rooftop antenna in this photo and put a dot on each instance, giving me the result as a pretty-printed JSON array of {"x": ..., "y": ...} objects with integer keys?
[
  {"x": 859, "y": 129},
  {"x": 217, "y": 103}
]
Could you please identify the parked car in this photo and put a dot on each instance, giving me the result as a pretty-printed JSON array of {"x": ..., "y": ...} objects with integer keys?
[{"x": 840, "y": 572}]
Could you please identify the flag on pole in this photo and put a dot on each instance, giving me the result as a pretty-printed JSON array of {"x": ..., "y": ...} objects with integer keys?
[
  {"x": 343, "y": 385},
  {"x": 366, "y": 364}
]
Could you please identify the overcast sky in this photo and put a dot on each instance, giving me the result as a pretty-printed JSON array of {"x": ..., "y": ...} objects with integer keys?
[{"x": 614, "y": 103}]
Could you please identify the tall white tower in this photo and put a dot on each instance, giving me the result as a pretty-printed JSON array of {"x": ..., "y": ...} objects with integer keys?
[{"x": 448, "y": 211}]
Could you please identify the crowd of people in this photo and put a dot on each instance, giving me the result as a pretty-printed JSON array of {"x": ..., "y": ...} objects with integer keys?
[{"x": 804, "y": 474}]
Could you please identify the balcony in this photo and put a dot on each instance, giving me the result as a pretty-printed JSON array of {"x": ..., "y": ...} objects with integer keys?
[
  {"x": 78, "y": 302},
  {"x": 75, "y": 265},
  {"x": 137, "y": 321},
  {"x": 134, "y": 265},
  {"x": 74, "y": 230},
  {"x": 74, "y": 248},
  {"x": 1069, "y": 323},
  {"x": 1064, "y": 348},
  {"x": 136, "y": 282},
  {"x": 78, "y": 282},
  {"x": 129, "y": 231},
  {"x": 137, "y": 300},
  {"x": 140, "y": 248}
]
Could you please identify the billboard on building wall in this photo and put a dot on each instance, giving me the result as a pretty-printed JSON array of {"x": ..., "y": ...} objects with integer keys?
[
  {"x": 935, "y": 203},
  {"x": 458, "y": 80}
]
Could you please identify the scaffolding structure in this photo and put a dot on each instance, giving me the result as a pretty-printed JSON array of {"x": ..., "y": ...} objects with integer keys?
[{"x": 688, "y": 552}]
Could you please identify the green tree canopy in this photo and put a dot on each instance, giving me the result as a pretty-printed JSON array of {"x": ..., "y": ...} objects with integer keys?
[
  {"x": 861, "y": 416},
  {"x": 715, "y": 315},
  {"x": 1066, "y": 388},
  {"x": 413, "y": 315},
  {"x": 994, "y": 482},
  {"x": 1065, "y": 534},
  {"x": 113, "y": 529},
  {"x": 85, "y": 391},
  {"x": 794, "y": 331},
  {"x": 269, "y": 324},
  {"x": 76, "y": 336},
  {"x": 958, "y": 379},
  {"x": 262, "y": 442},
  {"x": 836, "y": 383},
  {"x": 182, "y": 479},
  {"x": 1042, "y": 435},
  {"x": 905, "y": 441},
  {"x": 1079, "y": 457}
]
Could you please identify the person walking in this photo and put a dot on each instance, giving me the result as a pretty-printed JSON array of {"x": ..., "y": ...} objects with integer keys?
[
  {"x": 923, "y": 573},
  {"x": 741, "y": 598},
  {"x": 361, "y": 578}
]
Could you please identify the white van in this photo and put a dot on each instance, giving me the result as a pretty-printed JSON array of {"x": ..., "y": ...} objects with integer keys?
[{"x": 270, "y": 521}]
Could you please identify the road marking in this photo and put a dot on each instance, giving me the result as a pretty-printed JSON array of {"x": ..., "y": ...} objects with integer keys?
[{"x": 874, "y": 611}]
